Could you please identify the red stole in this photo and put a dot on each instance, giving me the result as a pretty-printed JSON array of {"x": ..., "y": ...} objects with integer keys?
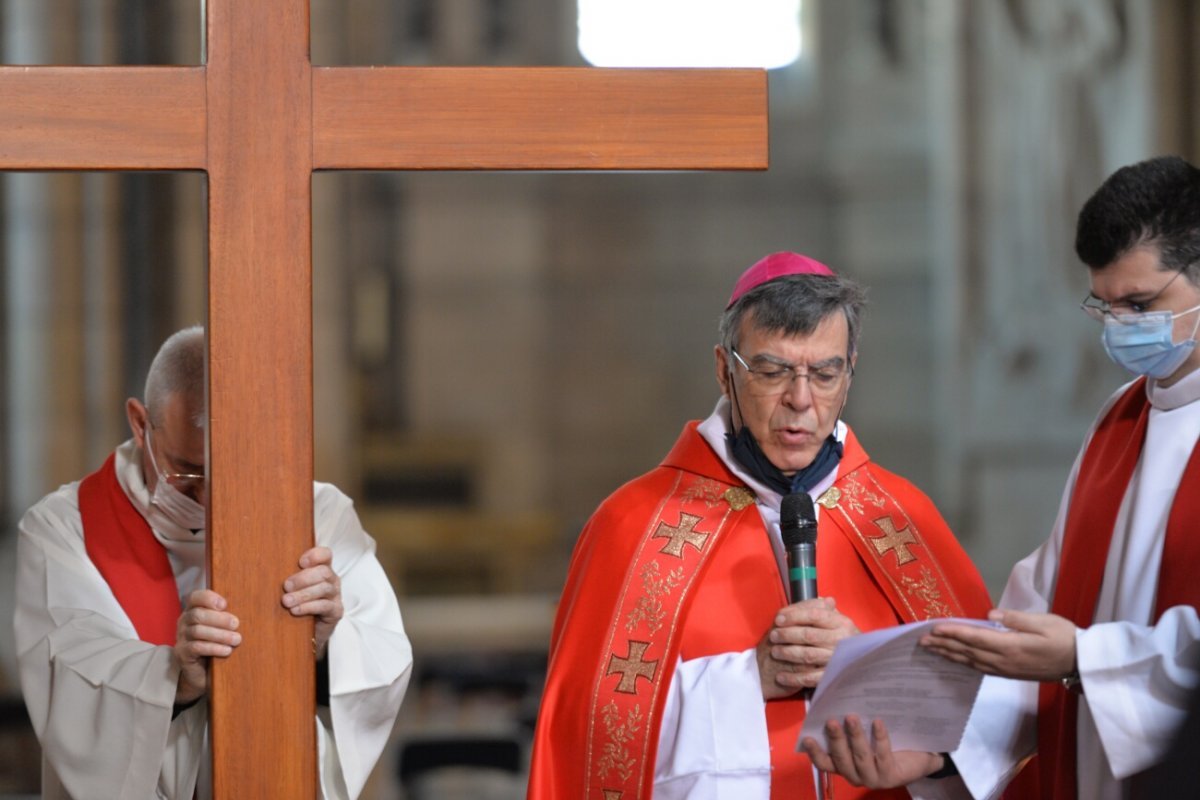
[
  {"x": 131, "y": 560},
  {"x": 1100, "y": 487}
]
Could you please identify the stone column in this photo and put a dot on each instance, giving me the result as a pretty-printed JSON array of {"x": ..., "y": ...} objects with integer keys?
[
  {"x": 1177, "y": 77},
  {"x": 1034, "y": 102}
]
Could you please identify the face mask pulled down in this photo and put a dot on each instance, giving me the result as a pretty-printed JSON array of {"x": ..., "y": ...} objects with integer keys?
[
  {"x": 174, "y": 504},
  {"x": 1143, "y": 344}
]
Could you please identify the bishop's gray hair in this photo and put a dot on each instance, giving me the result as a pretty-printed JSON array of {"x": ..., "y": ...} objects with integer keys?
[
  {"x": 795, "y": 305},
  {"x": 178, "y": 368}
]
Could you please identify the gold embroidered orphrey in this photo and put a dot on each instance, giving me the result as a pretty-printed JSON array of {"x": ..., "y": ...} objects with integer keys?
[
  {"x": 680, "y": 535},
  {"x": 618, "y": 739},
  {"x": 616, "y": 750},
  {"x": 632, "y": 667},
  {"x": 928, "y": 587},
  {"x": 894, "y": 540},
  {"x": 706, "y": 490},
  {"x": 928, "y": 591},
  {"x": 649, "y": 607}
]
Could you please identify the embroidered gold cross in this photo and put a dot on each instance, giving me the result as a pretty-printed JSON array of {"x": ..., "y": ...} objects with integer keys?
[
  {"x": 895, "y": 540},
  {"x": 680, "y": 535},
  {"x": 632, "y": 668}
]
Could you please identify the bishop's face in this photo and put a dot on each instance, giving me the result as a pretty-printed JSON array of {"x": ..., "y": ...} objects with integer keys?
[{"x": 790, "y": 415}]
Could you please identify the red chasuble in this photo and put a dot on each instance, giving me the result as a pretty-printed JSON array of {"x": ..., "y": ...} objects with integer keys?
[
  {"x": 1104, "y": 475},
  {"x": 131, "y": 560},
  {"x": 677, "y": 563}
]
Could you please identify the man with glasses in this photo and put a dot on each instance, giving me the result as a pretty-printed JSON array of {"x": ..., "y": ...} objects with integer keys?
[
  {"x": 115, "y": 628},
  {"x": 678, "y": 667},
  {"x": 1103, "y": 642}
]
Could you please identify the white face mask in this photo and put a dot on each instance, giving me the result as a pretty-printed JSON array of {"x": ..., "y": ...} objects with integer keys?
[{"x": 177, "y": 506}]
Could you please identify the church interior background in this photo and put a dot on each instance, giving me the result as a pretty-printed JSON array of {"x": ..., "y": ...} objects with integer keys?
[{"x": 497, "y": 352}]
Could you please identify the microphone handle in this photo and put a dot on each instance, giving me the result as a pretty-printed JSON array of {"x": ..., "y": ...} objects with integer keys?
[{"x": 802, "y": 571}]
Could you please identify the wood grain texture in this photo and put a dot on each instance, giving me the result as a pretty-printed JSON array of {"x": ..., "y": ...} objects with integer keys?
[
  {"x": 539, "y": 118},
  {"x": 260, "y": 391},
  {"x": 84, "y": 118}
]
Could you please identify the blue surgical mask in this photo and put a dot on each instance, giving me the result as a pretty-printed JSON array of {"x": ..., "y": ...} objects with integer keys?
[{"x": 1142, "y": 343}]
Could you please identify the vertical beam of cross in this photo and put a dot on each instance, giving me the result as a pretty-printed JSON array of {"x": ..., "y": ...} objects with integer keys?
[{"x": 259, "y": 97}]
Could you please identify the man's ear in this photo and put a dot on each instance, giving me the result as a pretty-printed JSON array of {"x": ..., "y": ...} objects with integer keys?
[
  {"x": 138, "y": 416},
  {"x": 723, "y": 376}
]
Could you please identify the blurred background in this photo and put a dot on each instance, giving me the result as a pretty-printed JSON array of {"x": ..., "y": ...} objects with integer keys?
[{"x": 495, "y": 353}]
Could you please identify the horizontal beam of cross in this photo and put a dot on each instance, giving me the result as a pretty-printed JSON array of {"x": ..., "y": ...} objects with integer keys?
[
  {"x": 399, "y": 118},
  {"x": 538, "y": 118},
  {"x": 88, "y": 118}
]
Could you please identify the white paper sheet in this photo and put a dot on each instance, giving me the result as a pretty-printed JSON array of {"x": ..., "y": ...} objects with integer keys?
[{"x": 923, "y": 698}]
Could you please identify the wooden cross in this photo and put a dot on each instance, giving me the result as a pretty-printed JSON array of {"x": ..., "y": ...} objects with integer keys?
[
  {"x": 258, "y": 118},
  {"x": 893, "y": 540},
  {"x": 680, "y": 534},
  {"x": 632, "y": 667}
]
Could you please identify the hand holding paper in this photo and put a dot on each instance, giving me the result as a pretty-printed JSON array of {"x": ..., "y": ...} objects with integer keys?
[
  {"x": 1031, "y": 647},
  {"x": 865, "y": 758},
  {"x": 923, "y": 700}
]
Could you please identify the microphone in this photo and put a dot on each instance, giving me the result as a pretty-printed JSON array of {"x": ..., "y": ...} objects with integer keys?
[{"x": 798, "y": 525}]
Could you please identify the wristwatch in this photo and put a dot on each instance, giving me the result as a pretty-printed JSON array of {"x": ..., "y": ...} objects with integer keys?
[
  {"x": 1072, "y": 682},
  {"x": 949, "y": 768}
]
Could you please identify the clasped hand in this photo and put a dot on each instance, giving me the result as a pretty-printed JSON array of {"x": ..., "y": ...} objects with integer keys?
[
  {"x": 206, "y": 629},
  {"x": 793, "y": 654}
]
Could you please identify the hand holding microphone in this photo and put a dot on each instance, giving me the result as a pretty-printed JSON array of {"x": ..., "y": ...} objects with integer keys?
[{"x": 793, "y": 653}]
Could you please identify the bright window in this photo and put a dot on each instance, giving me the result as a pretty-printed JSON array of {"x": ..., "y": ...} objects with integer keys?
[{"x": 690, "y": 33}]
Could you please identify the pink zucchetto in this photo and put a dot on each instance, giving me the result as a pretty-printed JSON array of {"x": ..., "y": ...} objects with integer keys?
[{"x": 775, "y": 266}]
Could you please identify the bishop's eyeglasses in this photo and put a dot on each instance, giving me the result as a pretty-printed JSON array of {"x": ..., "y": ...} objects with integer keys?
[{"x": 767, "y": 376}]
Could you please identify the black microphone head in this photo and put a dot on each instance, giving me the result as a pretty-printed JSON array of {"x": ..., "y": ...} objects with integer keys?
[{"x": 797, "y": 519}]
